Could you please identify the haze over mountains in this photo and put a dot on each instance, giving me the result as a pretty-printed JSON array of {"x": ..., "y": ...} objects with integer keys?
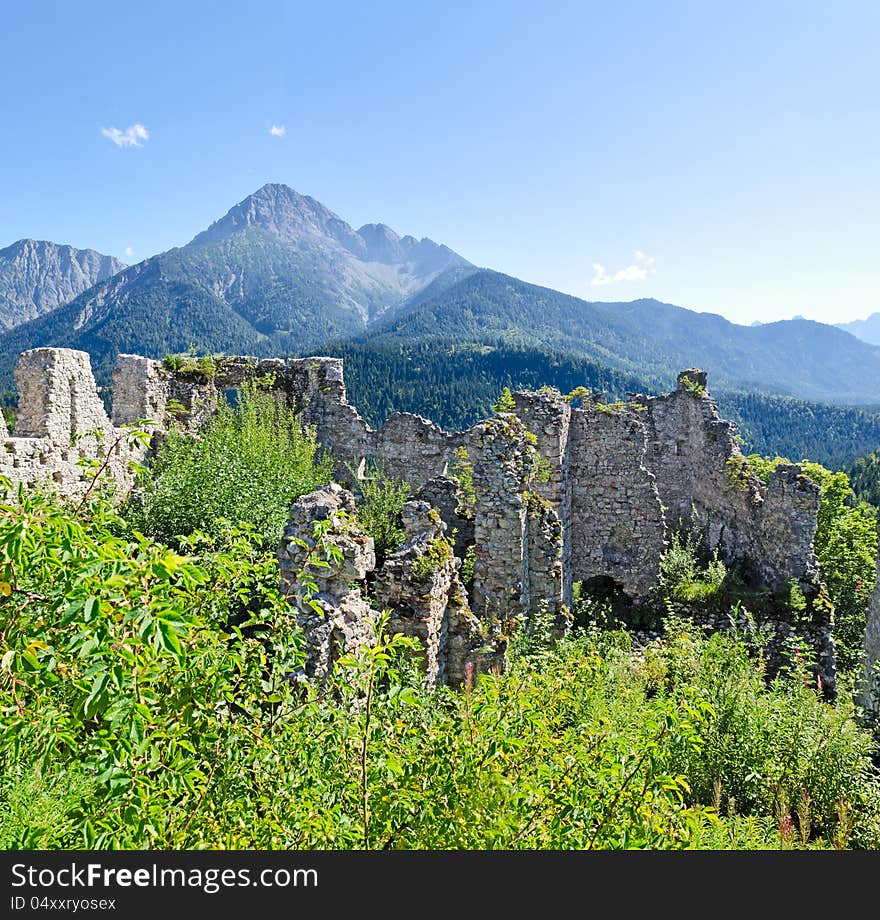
[
  {"x": 868, "y": 330},
  {"x": 37, "y": 277},
  {"x": 280, "y": 273}
]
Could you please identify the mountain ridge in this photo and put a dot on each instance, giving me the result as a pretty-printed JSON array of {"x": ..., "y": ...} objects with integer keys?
[
  {"x": 38, "y": 276},
  {"x": 280, "y": 273},
  {"x": 868, "y": 329}
]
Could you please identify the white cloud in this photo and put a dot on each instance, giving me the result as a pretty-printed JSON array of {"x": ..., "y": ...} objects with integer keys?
[
  {"x": 278, "y": 130},
  {"x": 129, "y": 252},
  {"x": 638, "y": 271},
  {"x": 133, "y": 136}
]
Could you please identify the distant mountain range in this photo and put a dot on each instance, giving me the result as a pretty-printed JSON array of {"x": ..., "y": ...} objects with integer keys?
[
  {"x": 280, "y": 273},
  {"x": 868, "y": 330},
  {"x": 37, "y": 277},
  {"x": 645, "y": 338}
]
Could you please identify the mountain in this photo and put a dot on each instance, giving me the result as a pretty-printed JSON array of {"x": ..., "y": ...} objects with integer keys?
[
  {"x": 37, "y": 276},
  {"x": 278, "y": 273},
  {"x": 645, "y": 338},
  {"x": 868, "y": 330}
]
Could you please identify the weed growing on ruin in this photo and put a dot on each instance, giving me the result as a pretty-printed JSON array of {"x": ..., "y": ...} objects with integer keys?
[
  {"x": 202, "y": 368},
  {"x": 505, "y": 402},
  {"x": 379, "y": 511},
  {"x": 684, "y": 576},
  {"x": 463, "y": 471},
  {"x": 437, "y": 553},
  {"x": 692, "y": 387},
  {"x": 578, "y": 395}
]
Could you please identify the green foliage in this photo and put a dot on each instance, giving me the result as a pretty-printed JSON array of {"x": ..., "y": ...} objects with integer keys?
[
  {"x": 456, "y": 383},
  {"x": 147, "y": 704},
  {"x": 578, "y": 394},
  {"x": 846, "y": 547},
  {"x": 505, "y": 402},
  {"x": 540, "y": 468},
  {"x": 830, "y": 434},
  {"x": 738, "y": 470},
  {"x": 612, "y": 408},
  {"x": 202, "y": 368},
  {"x": 379, "y": 511},
  {"x": 467, "y": 566},
  {"x": 684, "y": 575},
  {"x": 463, "y": 471},
  {"x": 775, "y": 752},
  {"x": 121, "y": 661},
  {"x": 692, "y": 387},
  {"x": 864, "y": 477},
  {"x": 245, "y": 467},
  {"x": 437, "y": 553}
]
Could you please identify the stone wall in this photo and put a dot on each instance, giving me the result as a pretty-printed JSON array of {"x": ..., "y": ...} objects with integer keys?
[
  {"x": 501, "y": 474},
  {"x": 324, "y": 591},
  {"x": 421, "y": 587},
  {"x": 618, "y": 529},
  {"x": 62, "y": 430},
  {"x": 418, "y": 585},
  {"x": 702, "y": 479},
  {"x": 562, "y": 494},
  {"x": 869, "y": 689}
]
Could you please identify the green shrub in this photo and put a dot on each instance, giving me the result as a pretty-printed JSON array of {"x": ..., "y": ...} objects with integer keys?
[
  {"x": 682, "y": 574},
  {"x": 379, "y": 511},
  {"x": 245, "y": 466},
  {"x": 463, "y": 472},
  {"x": 773, "y": 751},
  {"x": 148, "y": 703}
]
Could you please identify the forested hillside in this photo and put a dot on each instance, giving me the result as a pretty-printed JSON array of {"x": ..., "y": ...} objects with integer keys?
[{"x": 456, "y": 385}]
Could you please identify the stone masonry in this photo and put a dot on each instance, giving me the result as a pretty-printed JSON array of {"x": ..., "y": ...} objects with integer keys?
[
  {"x": 562, "y": 494},
  {"x": 869, "y": 690},
  {"x": 62, "y": 429},
  {"x": 322, "y": 587},
  {"x": 421, "y": 587}
]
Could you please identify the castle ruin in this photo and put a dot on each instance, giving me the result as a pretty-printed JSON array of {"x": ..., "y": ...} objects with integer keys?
[{"x": 562, "y": 494}]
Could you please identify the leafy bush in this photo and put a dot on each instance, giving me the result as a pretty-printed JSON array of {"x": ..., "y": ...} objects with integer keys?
[
  {"x": 779, "y": 751},
  {"x": 245, "y": 466},
  {"x": 147, "y": 702},
  {"x": 379, "y": 511},
  {"x": 682, "y": 574}
]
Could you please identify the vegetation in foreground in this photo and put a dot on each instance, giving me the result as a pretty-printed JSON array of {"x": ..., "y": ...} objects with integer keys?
[{"x": 148, "y": 702}]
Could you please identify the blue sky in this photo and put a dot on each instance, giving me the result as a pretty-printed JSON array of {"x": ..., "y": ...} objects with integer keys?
[{"x": 723, "y": 157}]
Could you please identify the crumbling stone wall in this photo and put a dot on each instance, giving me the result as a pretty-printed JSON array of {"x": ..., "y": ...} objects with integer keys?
[
  {"x": 343, "y": 620},
  {"x": 546, "y": 415},
  {"x": 421, "y": 587},
  {"x": 441, "y": 493},
  {"x": 702, "y": 479},
  {"x": 618, "y": 528},
  {"x": 61, "y": 423},
  {"x": 562, "y": 494},
  {"x": 501, "y": 475},
  {"x": 869, "y": 687}
]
